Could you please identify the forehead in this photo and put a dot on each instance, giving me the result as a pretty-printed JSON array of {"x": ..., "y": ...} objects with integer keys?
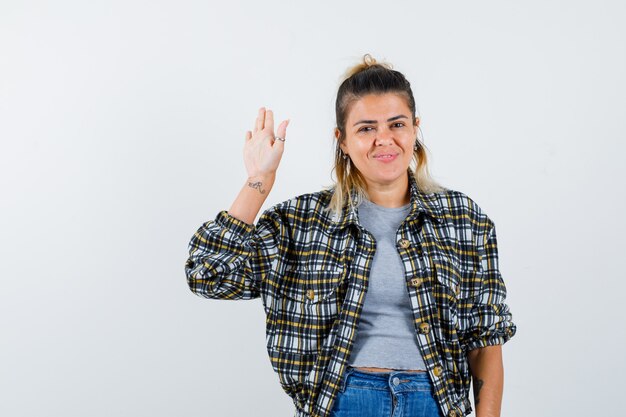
[{"x": 379, "y": 106}]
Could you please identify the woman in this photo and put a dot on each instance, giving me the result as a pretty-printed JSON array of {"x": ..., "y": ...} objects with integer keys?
[{"x": 382, "y": 293}]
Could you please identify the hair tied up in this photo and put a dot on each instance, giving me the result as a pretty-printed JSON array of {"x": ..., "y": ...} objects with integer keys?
[{"x": 367, "y": 62}]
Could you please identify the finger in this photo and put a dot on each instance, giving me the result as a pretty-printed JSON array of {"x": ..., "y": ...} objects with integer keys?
[
  {"x": 269, "y": 120},
  {"x": 282, "y": 129},
  {"x": 248, "y": 135},
  {"x": 259, "y": 120}
]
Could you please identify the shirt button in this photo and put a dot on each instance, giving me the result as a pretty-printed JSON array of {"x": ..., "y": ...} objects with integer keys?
[
  {"x": 416, "y": 282},
  {"x": 437, "y": 370},
  {"x": 453, "y": 413},
  {"x": 404, "y": 243},
  {"x": 310, "y": 294},
  {"x": 396, "y": 381},
  {"x": 424, "y": 327}
]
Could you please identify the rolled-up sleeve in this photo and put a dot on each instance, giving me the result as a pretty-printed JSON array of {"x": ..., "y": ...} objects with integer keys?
[
  {"x": 228, "y": 258},
  {"x": 490, "y": 317}
]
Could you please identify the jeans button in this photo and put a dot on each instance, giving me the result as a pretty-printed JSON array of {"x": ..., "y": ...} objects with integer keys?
[{"x": 396, "y": 381}]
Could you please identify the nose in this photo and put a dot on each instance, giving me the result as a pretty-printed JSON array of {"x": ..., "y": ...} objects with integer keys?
[{"x": 384, "y": 137}]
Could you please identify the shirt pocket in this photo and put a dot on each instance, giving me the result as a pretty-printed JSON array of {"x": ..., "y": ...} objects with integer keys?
[
  {"x": 305, "y": 308},
  {"x": 456, "y": 290}
]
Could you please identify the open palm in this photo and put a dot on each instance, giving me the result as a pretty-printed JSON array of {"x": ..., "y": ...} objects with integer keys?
[{"x": 262, "y": 152}]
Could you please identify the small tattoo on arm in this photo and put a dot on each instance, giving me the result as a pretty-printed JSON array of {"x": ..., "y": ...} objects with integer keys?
[
  {"x": 256, "y": 185},
  {"x": 478, "y": 384}
]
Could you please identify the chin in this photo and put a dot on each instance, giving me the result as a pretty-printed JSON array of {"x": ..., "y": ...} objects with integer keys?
[
  {"x": 390, "y": 172},
  {"x": 386, "y": 179}
]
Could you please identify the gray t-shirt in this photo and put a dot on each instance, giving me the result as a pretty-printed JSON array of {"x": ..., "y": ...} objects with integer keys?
[{"x": 386, "y": 336}]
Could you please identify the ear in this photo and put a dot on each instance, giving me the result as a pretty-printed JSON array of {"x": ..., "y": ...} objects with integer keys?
[
  {"x": 416, "y": 125},
  {"x": 341, "y": 144}
]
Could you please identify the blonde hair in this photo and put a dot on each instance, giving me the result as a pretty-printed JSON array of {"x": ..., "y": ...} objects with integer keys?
[{"x": 371, "y": 77}]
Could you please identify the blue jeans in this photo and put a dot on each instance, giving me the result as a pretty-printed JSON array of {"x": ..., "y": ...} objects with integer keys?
[{"x": 385, "y": 394}]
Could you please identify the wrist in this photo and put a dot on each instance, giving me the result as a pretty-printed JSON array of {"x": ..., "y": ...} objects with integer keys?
[
  {"x": 264, "y": 178},
  {"x": 261, "y": 183}
]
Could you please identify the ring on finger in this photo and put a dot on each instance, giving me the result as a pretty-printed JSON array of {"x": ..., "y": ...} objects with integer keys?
[{"x": 279, "y": 138}]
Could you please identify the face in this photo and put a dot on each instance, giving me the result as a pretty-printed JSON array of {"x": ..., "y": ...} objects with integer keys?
[{"x": 380, "y": 138}]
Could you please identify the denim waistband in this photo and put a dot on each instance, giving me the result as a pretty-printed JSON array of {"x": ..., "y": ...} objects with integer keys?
[{"x": 386, "y": 379}]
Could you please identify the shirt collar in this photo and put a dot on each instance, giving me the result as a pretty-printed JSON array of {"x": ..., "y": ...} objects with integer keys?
[{"x": 421, "y": 202}]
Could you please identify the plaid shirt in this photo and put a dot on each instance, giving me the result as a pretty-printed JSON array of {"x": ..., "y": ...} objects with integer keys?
[{"x": 311, "y": 271}]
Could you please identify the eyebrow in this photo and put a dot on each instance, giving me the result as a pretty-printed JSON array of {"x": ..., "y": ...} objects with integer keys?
[{"x": 391, "y": 119}]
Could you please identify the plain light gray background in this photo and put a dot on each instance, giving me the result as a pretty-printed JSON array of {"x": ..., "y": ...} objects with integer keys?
[{"x": 122, "y": 125}]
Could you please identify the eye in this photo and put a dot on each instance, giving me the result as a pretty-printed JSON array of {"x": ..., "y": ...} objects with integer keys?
[
  {"x": 365, "y": 129},
  {"x": 398, "y": 123}
]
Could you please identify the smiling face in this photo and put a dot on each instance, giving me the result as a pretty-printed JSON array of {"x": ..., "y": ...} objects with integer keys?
[{"x": 380, "y": 137}]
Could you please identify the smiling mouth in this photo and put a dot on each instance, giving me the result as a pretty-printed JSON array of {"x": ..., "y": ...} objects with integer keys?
[{"x": 385, "y": 156}]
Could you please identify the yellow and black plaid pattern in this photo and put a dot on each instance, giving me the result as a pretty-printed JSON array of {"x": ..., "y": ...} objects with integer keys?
[{"x": 311, "y": 272}]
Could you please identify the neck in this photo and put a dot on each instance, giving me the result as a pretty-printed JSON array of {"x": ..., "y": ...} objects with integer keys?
[{"x": 392, "y": 195}]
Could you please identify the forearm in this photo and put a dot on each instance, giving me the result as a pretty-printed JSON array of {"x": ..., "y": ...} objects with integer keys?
[
  {"x": 251, "y": 198},
  {"x": 487, "y": 379}
]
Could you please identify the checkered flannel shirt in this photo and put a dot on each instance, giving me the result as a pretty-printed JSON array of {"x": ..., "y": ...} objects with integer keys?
[{"x": 311, "y": 270}]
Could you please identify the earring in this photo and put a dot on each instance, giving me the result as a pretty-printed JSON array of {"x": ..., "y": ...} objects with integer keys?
[
  {"x": 417, "y": 141},
  {"x": 344, "y": 156}
]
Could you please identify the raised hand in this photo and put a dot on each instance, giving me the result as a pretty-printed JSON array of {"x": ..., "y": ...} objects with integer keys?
[{"x": 262, "y": 152}]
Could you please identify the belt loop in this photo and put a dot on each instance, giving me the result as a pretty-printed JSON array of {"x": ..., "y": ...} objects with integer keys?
[{"x": 344, "y": 380}]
